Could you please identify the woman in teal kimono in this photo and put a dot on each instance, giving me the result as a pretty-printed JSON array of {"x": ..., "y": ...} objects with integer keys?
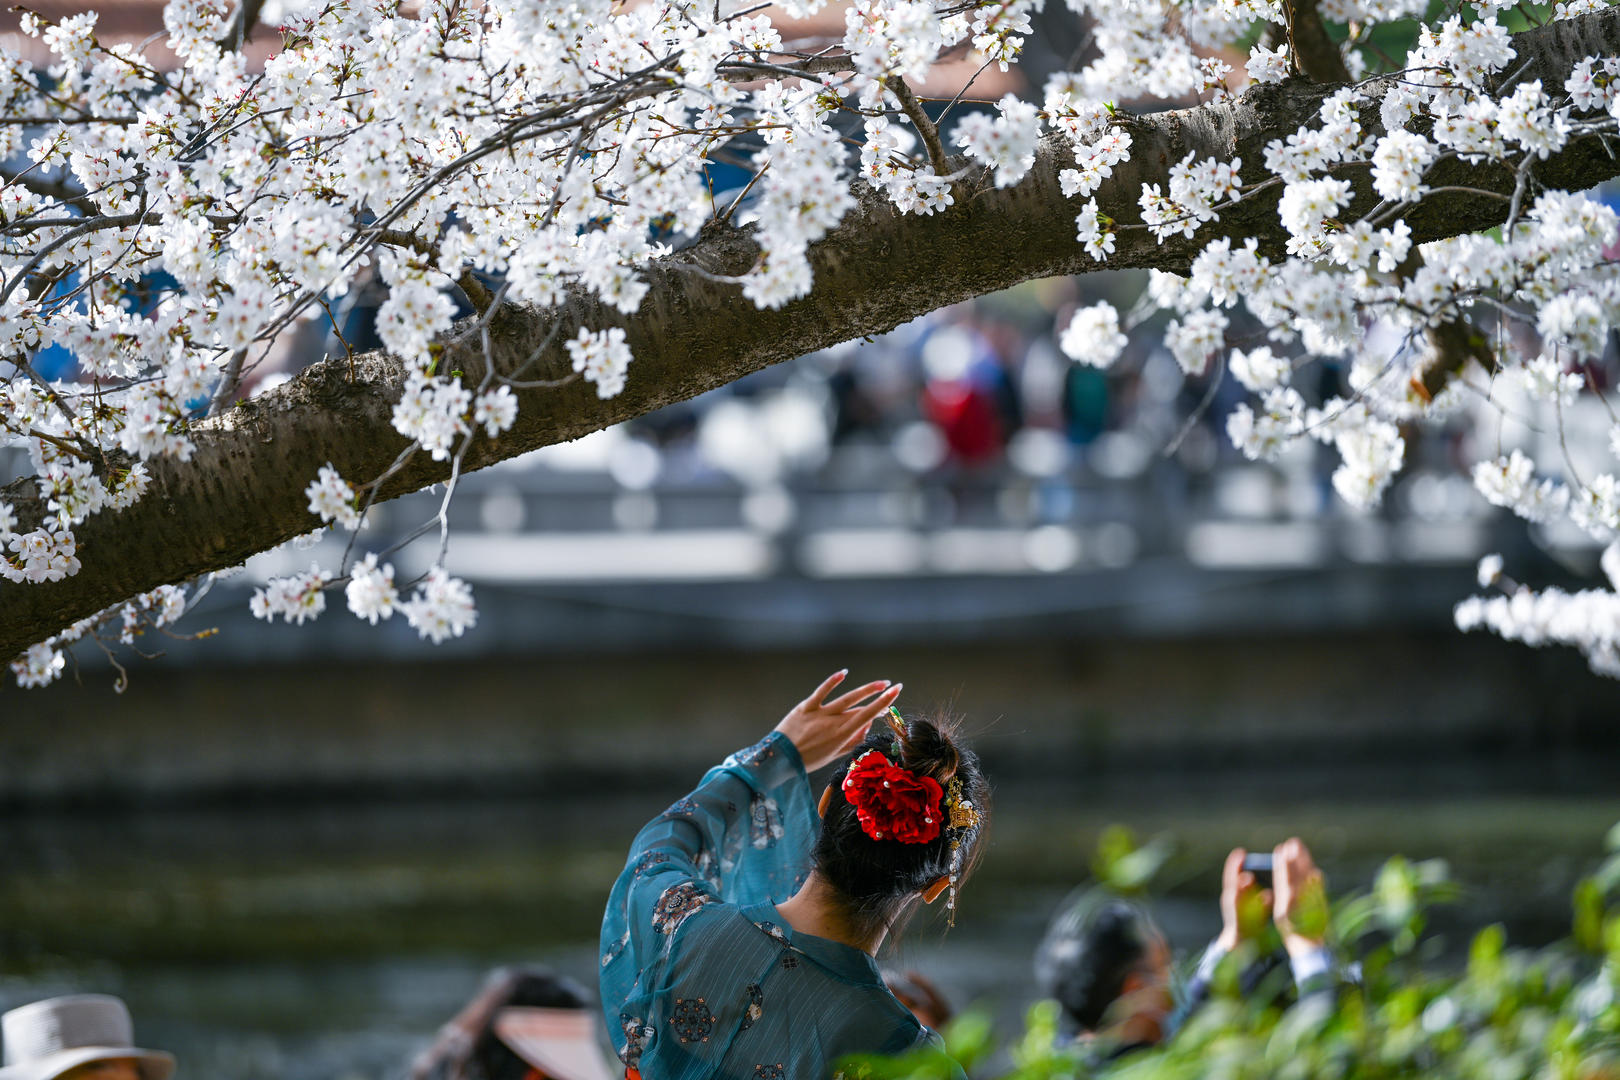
[{"x": 738, "y": 942}]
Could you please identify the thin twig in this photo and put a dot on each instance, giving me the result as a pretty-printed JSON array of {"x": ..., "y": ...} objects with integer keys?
[
  {"x": 1202, "y": 407},
  {"x": 919, "y": 120},
  {"x": 229, "y": 380}
]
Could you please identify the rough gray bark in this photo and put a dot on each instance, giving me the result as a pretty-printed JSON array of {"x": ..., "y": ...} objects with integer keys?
[
  {"x": 242, "y": 491},
  {"x": 1312, "y": 50}
]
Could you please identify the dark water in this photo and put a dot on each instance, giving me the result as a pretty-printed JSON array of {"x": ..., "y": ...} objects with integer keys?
[{"x": 330, "y": 940}]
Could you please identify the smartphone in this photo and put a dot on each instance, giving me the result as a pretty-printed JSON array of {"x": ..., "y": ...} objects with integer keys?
[{"x": 1259, "y": 864}]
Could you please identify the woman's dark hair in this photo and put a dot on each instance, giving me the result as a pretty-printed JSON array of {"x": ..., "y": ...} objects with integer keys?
[{"x": 880, "y": 879}]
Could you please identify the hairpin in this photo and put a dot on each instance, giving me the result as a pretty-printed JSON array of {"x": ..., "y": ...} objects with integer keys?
[{"x": 962, "y": 814}]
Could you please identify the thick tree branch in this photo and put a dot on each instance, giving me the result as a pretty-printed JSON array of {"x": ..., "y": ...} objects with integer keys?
[
  {"x": 242, "y": 491},
  {"x": 1311, "y": 50},
  {"x": 242, "y": 25}
]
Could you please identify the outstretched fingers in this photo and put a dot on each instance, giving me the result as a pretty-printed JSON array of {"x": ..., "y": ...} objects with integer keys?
[
  {"x": 847, "y": 701},
  {"x": 867, "y": 713},
  {"x": 859, "y": 720},
  {"x": 826, "y": 687}
]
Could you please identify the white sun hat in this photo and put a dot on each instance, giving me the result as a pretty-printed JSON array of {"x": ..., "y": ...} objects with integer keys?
[{"x": 47, "y": 1038}]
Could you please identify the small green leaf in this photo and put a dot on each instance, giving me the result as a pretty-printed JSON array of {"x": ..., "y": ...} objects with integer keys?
[
  {"x": 1485, "y": 954},
  {"x": 1588, "y": 925}
]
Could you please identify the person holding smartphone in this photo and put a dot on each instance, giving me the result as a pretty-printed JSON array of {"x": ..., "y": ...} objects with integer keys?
[
  {"x": 1109, "y": 965},
  {"x": 1286, "y": 889}
]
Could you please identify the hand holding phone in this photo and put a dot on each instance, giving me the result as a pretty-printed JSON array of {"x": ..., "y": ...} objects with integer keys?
[{"x": 1245, "y": 899}]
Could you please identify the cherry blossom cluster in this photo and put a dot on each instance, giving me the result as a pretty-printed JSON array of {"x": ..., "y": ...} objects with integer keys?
[
  {"x": 1588, "y": 619},
  {"x": 536, "y": 151},
  {"x": 125, "y": 623},
  {"x": 1353, "y": 288},
  {"x": 171, "y": 226}
]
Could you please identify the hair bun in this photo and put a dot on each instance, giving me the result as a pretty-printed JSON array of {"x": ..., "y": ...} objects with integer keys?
[
  {"x": 927, "y": 750},
  {"x": 878, "y": 879}
]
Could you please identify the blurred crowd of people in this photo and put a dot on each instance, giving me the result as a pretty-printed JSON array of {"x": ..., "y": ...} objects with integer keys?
[{"x": 982, "y": 384}]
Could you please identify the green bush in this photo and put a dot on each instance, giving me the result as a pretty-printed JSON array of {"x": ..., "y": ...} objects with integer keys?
[{"x": 1549, "y": 1014}]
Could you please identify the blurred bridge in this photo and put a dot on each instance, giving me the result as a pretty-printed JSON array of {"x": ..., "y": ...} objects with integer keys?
[{"x": 588, "y": 547}]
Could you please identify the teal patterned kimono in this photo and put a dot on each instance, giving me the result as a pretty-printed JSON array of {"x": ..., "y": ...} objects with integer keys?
[{"x": 701, "y": 978}]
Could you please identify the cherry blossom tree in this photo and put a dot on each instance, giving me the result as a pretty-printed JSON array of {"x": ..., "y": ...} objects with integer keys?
[{"x": 1406, "y": 193}]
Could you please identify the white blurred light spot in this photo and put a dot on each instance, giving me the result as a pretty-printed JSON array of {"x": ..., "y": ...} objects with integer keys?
[
  {"x": 635, "y": 464},
  {"x": 1440, "y": 1016},
  {"x": 861, "y": 553},
  {"x": 591, "y": 453},
  {"x": 1425, "y": 497},
  {"x": 1051, "y": 548},
  {"x": 1246, "y": 491},
  {"x": 756, "y": 442},
  {"x": 1434, "y": 497},
  {"x": 732, "y": 440},
  {"x": 502, "y": 511},
  {"x": 919, "y": 446},
  {"x": 1230, "y": 544},
  {"x": 948, "y": 353},
  {"x": 977, "y": 551},
  {"x": 769, "y": 509},
  {"x": 674, "y": 555},
  {"x": 635, "y": 511},
  {"x": 1039, "y": 452},
  {"x": 795, "y": 421}
]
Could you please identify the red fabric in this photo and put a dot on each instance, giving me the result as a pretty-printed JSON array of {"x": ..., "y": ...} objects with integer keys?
[
  {"x": 966, "y": 417},
  {"x": 893, "y": 803}
]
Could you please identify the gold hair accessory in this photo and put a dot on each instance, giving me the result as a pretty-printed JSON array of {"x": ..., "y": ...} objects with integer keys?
[
  {"x": 961, "y": 813},
  {"x": 960, "y": 816}
]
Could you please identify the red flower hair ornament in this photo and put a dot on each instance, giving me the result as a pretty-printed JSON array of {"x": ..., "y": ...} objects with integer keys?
[{"x": 893, "y": 803}]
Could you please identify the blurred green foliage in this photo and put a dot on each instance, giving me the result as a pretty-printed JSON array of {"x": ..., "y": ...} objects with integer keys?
[
  {"x": 1551, "y": 1013},
  {"x": 1126, "y": 867}
]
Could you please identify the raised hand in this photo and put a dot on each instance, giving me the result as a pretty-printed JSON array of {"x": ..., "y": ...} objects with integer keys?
[
  {"x": 1300, "y": 908},
  {"x": 1245, "y": 906},
  {"x": 823, "y": 730}
]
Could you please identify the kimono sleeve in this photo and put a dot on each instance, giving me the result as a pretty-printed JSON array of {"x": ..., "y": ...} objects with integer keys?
[{"x": 743, "y": 836}]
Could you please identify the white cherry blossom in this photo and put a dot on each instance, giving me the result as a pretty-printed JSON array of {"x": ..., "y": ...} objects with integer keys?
[{"x": 1093, "y": 336}]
